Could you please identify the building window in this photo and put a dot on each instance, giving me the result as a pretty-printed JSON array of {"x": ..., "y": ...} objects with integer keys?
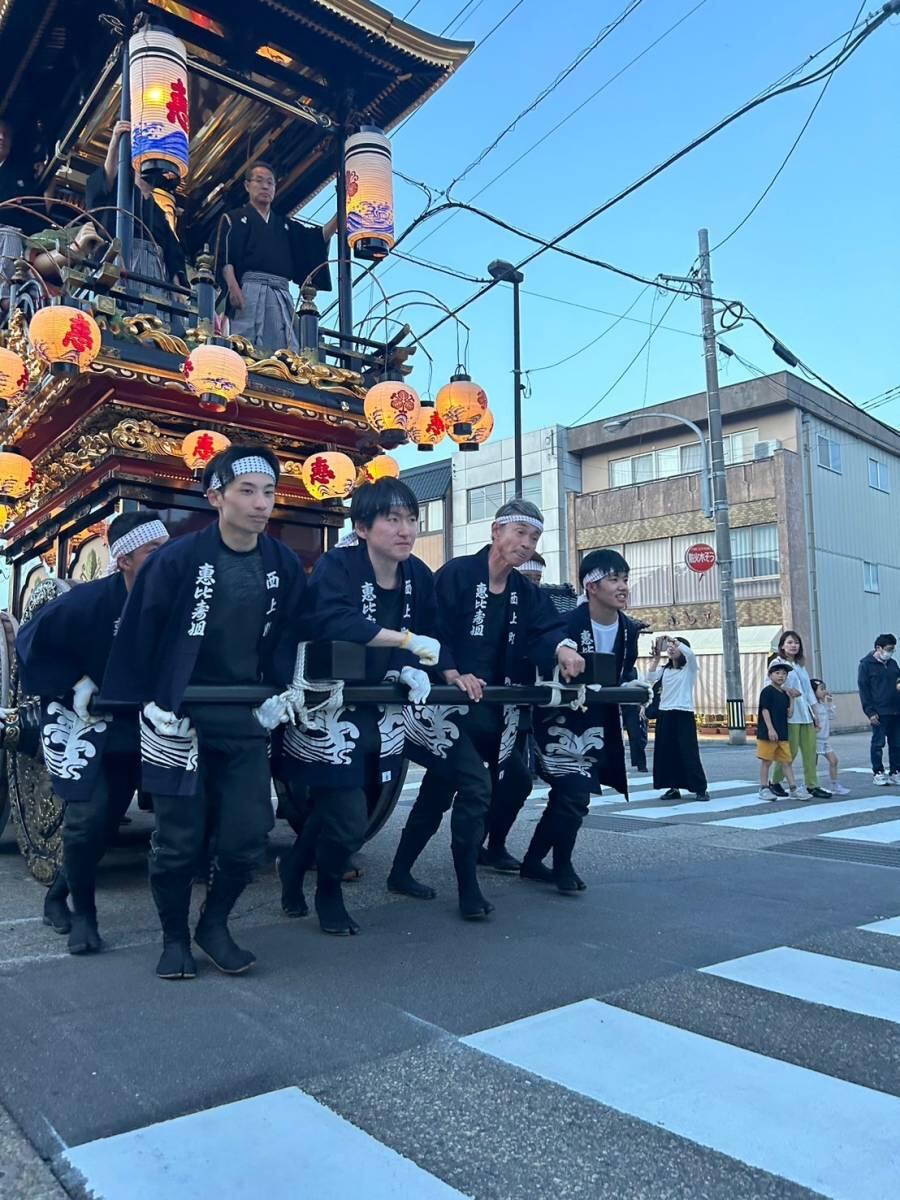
[
  {"x": 484, "y": 501},
  {"x": 829, "y": 454},
  {"x": 871, "y": 577},
  {"x": 754, "y": 550},
  {"x": 678, "y": 460},
  {"x": 650, "y": 577},
  {"x": 878, "y": 476},
  {"x": 431, "y": 516}
]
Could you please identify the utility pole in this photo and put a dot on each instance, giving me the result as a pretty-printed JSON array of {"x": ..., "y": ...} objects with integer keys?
[
  {"x": 505, "y": 272},
  {"x": 734, "y": 692}
]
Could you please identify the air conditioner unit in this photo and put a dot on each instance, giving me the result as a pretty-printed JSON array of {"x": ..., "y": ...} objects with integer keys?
[{"x": 763, "y": 450}]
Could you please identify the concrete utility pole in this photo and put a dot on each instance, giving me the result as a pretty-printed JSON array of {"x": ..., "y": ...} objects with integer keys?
[{"x": 734, "y": 692}]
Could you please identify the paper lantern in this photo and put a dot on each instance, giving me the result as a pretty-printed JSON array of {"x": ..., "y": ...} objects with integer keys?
[
  {"x": 328, "y": 476},
  {"x": 381, "y": 467},
  {"x": 157, "y": 72},
  {"x": 479, "y": 434},
  {"x": 13, "y": 375},
  {"x": 461, "y": 404},
  {"x": 16, "y": 474},
  {"x": 390, "y": 408},
  {"x": 199, "y": 447},
  {"x": 67, "y": 338},
  {"x": 216, "y": 374},
  {"x": 428, "y": 430},
  {"x": 370, "y": 193}
]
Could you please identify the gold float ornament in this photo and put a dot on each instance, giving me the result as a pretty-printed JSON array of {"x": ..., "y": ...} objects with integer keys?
[
  {"x": 13, "y": 375},
  {"x": 216, "y": 375},
  {"x": 4, "y": 515},
  {"x": 478, "y": 436},
  {"x": 201, "y": 446},
  {"x": 461, "y": 404},
  {"x": 329, "y": 476},
  {"x": 16, "y": 475},
  {"x": 390, "y": 408},
  {"x": 428, "y": 430},
  {"x": 67, "y": 338},
  {"x": 380, "y": 467}
]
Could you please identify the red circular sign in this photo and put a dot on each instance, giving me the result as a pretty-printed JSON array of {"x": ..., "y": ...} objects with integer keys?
[{"x": 700, "y": 557}]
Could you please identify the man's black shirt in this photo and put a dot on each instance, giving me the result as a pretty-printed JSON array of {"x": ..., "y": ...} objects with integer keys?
[
  {"x": 489, "y": 649},
  {"x": 388, "y": 615}
]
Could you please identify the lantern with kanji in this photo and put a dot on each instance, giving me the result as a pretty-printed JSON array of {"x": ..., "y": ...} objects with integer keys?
[
  {"x": 390, "y": 408},
  {"x": 329, "y": 475},
  {"x": 158, "y": 79},
  {"x": 16, "y": 475},
  {"x": 370, "y": 193},
  {"x": 201, "y": 446},
  {"x": 217, "y": 374},
  {"x": 461, "y": 404},
  {"x": 478, "y": 436},
  {"x": 13, "y": 375},
  {"x": 428, "y": 430},
  {"x": 67, "y": 338},
  {"x": 380, "y": 467}
]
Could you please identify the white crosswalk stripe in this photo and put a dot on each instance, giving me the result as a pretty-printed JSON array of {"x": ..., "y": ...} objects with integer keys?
[
  {"x": 808, "y": 814},
  {"x": 890, "y": 925},
  {"x": 883, "y": 833},
  {"x": 696, "y": 807}
]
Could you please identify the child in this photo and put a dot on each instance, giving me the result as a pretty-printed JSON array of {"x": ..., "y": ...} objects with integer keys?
[
  {"x": 676, "y": 754},
  {"x": 824, "y": 711},
  {"x": 772, "y": 739}
]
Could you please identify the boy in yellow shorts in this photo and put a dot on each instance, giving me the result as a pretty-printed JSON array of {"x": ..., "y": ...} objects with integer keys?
[{"x": 772, "y": 744}]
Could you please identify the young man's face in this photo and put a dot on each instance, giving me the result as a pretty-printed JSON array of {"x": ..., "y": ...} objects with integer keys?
[
  {"x": 885, "y": 652},
  {"x": 392, "y": 536},
  {"x": 611, "y": 590},
  {"x": 130, "y": 564},
  {"x": 261, "y": 186},
  {"x": 515, "y": 542},
  {"x": 246, "y": 503}
]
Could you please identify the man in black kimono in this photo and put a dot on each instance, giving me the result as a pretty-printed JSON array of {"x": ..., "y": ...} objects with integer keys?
[
  {"x": 220, "y": 607},
  {"x": 93, "y": 762},
  {"x": 263, "y": 252}
]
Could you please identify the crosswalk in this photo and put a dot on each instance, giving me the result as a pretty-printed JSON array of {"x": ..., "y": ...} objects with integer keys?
[{"x": 800, "y": 1118}]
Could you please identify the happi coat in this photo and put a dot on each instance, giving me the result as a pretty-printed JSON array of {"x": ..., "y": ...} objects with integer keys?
[
  {"x": 162, "y": 629},
  {"x": 68, "y": 638},
  {"x": 585, "y": 747},
  {"x": 330, "y": 747}
]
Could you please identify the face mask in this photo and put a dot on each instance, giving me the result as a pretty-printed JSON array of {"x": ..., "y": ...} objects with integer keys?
[{"x": 886, "y": 655}]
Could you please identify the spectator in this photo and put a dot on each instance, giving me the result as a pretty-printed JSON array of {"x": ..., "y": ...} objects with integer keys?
[
  {"x": 879, "y": 693},
  {"x": 772, "y": 731},
  {"x": 824, "y": 711},
  {"x": 802, "y": 721},
  {"x": 676, "y": 753}
]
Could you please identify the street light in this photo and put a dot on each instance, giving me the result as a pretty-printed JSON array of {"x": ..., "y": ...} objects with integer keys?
[
  {"x": 504, "y": 272},
  {"x": 705, "y": 489}
]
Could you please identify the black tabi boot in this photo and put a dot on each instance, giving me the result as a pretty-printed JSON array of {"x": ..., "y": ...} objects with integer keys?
[
  {"x": 212, "y": 935},
  {"x": 413, "y": 841},
  {"x": 496, "y": 857},
  {"x": 56, "y": 912},
  {"x": 565, "y": 833},
  {"x": 333, "y": 916},
  {"x": 472, "y": 904},
  {"x": 81, "y": 870},
  {"x": 533, "y": 866},
  {"x": 172, "y": 896},
  {"x": 84, "y": 937},
  {"x": 291, "y": 874}
]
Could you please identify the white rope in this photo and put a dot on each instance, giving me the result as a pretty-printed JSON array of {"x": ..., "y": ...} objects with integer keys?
[
  {"x": 300, "y": 685},
  {"x": 556, "y": 688}
]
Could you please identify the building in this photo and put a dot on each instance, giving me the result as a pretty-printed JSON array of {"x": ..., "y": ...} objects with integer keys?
[
  {"x": 814, "y": 498},
  {"x": 431, "y": 486}
]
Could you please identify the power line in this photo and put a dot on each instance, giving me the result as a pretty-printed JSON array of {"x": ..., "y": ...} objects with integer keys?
[
  {"x": 606, "y": 313},
  {"x": 573, "y": 66},
  {"x": 458, "y": 26},
  {"x": 439, "y": 267},
  {"x": 461, "y": 12},
  {"x": 575, "y": 353},
  {"x": 411, "y": 10}
]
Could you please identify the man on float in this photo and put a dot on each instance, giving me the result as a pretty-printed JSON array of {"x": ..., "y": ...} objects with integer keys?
[
  {"x": 375, "y": 592},
  {"x": 93, "y": 761},
  {"x": 263, "y": 252},
  {"x": 221, "y": 607},
  {"x": 496, "y": 628},
  {"x": 580, "y": 750}
]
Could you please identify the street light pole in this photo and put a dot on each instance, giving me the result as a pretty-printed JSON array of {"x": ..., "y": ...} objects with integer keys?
[
  {"x": 734, "y": 694},
  {"x": 506, "y": 273}
]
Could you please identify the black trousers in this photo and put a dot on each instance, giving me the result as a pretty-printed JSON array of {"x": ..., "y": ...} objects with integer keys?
[
  {"x": 231, "y": 810},
  {"x": 887, "y": 730},
  {"x": 676, "y": 753},
  {"x": 567, "y": 805},
  {"x": 636, "y": 728},
  {"x": 90, "y": 825}
]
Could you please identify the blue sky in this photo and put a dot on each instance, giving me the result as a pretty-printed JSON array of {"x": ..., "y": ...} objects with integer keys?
[{"x": 818, "y": 262}]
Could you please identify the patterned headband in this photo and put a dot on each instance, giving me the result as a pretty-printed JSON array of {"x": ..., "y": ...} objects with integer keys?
[
  {"x": 519, "y": 519},
  {"x": 139, "y": 536},
  {"x": 253, "y": 464},
  {"x": 532, "y": 566}
]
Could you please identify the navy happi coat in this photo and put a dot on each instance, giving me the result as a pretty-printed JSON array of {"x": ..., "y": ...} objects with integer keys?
[
  {"x": 70, "y": 637},
  {"x": 330, "y": 749},
  {"x": 161, "y": 632},
  {"x": 534, "y": 628},
  {"x": 585, "y": 747}
]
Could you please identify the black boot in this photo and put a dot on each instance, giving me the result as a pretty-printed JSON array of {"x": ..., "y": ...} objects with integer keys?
[
  {"x": 81, "y": 871},
  {"x": 172, "y": 896},
  {"x": 472, "y": 904},
  {"x": 401, "y": 880},
  {"x": 496, "y": 857},
  {"x": 84, "y": 937},
  {"x": 212, "y": 935},
  {"x": 333, "y": 916},
  {"x": 56, "y": 912},
  {"x": 565, "y": 833},
  {"x": 290, "y": 875},
  {"x": 541, "y": 844}
]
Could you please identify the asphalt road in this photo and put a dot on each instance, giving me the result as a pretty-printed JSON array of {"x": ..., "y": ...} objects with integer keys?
[{"x": 715, "y": 1017}]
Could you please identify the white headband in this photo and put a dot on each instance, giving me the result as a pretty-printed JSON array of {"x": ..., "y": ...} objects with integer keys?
[
  {"x": 519, "y": 519},
  {"x": 139, "y": 536},
  {"x": 532, "y": 566},
  {"x": 253, "y": 464}
]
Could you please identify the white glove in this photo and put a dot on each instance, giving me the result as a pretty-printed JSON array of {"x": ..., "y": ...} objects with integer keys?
[
  {"x": 166, "y": 723},
  {"x": 426, "y": 649},
  {"x": 418, "y": 683},
  {"x": 281, "y": 709},
  {"x": 82, "y": 693}
]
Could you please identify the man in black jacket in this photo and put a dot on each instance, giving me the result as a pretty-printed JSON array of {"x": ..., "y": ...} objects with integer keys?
[{"x": 879, "y": 693}]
